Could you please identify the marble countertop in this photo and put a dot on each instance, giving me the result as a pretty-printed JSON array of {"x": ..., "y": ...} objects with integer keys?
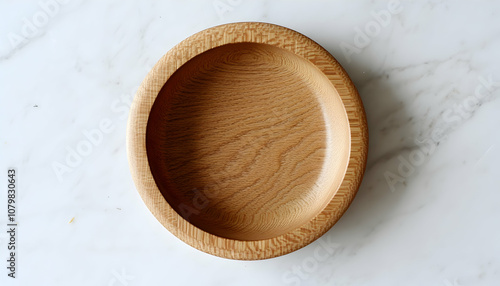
[{"x": 428, "y": 210}]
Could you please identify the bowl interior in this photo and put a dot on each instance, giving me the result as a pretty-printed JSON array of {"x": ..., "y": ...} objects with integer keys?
[{"x": 248, "y": 141}]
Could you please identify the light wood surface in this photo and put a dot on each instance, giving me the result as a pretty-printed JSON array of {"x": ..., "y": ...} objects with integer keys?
[{"x": 247, "y": 141}]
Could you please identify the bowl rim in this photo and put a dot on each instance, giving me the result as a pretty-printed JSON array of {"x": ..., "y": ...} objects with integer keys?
[{"x": 255, "y": 32}]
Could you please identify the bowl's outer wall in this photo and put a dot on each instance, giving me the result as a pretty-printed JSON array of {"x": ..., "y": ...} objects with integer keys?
[{"x": 235, "y": 33}]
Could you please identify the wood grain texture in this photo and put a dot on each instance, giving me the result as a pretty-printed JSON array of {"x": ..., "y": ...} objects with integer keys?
[{"x": 247, "y": 141}]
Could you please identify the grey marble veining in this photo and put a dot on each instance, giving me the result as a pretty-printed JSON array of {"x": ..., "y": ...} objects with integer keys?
[{"x": 427, "y": 212}]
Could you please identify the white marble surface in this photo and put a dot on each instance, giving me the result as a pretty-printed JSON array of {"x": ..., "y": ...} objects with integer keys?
[{"x": 421, "y": 75}]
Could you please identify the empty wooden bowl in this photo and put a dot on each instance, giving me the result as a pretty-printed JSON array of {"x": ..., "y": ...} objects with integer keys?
[{"x": 247, "y": 140}]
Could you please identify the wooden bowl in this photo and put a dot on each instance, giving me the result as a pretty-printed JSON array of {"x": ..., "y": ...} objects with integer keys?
[{"x": 247, "y": 141}]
